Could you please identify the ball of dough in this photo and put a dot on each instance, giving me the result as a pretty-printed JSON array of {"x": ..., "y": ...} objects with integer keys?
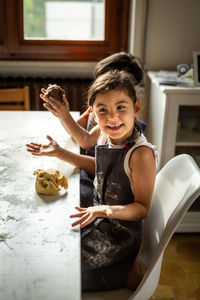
[
  {"x": 54, "y": 91},
  {"x": 48, "y": 181}
]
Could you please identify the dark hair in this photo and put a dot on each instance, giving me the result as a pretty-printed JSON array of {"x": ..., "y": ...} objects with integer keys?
[
  {"x": 110, "y": 81},
  {"x": 121, "y": 61}
]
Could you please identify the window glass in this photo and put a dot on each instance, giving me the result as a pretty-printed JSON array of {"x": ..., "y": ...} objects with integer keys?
[{"x": 64, "y": 19}]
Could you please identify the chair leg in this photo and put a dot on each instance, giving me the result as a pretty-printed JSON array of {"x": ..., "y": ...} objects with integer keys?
[{"x": 26, "y": 98}]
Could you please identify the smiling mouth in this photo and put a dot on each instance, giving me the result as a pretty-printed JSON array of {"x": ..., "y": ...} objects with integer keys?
[{"x": 115, "y": 127}]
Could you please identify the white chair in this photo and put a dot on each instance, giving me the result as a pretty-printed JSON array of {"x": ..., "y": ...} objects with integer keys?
[{"x": 177, "y": 187}]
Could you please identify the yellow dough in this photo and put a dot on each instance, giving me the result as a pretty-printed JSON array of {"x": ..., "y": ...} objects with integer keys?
[{"x": 48, "y": 181}]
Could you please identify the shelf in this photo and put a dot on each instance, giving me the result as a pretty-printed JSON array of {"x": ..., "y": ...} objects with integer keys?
[
  {"x": 186, "y": 137},
  {"x": 187, "y": 144},
  {"x": 174, "y": 127}
]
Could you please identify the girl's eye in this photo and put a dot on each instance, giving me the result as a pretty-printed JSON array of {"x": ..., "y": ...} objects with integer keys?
[
  {"x": 102, "y": 110},
  {"x": 120, "y": 107}
]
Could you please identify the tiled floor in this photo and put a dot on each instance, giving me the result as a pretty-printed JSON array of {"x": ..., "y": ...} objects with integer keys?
[{"x": 180, "y": 274}]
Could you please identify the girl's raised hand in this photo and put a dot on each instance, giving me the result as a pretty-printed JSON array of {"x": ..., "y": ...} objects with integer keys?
[
  {"x": 59, "y": 109},
  {"x": 89, "y": 214},
  {"x": 50, "y": 149}
]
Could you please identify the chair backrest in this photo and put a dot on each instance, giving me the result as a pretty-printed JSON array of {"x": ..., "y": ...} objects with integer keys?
[
  {"x": 15, "y": 99},
  {"x": 177, "y": 187}
]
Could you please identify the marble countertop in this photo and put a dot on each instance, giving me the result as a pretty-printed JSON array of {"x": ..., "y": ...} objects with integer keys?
[{"x": 39, "y": 250}]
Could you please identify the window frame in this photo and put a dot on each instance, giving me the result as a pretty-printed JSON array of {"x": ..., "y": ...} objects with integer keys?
[{"x": 15, "y": 47}]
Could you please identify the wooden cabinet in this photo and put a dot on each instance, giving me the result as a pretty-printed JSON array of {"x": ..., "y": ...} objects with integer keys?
[{"x": 174, "y": 127}]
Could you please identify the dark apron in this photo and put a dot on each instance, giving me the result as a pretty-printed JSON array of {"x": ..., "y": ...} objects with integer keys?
[{"x": 109, "y": 246}]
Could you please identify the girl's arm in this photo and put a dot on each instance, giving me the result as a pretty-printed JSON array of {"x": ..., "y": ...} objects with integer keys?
[
  {"x": 142, "y": 164},
  {"x": 84, "y": 162},
  {"x": 82, "y": 121},
  {"x": 84, "y": 138},
  {"x": 76, "y": 129},
  {"x": 53, "y": 149}
]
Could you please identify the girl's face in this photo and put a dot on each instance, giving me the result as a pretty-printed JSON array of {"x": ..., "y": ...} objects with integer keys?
[{"x": 114, "y": 112}]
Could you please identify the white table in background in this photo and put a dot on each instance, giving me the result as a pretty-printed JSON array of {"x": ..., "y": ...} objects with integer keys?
[{"x": 39, "y": 250}]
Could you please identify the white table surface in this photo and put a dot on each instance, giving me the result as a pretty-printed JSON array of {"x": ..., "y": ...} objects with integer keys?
[{"x": 39, "y": 250}]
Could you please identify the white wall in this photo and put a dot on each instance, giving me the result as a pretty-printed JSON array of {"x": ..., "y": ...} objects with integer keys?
[{"x": 173, "y": 33}]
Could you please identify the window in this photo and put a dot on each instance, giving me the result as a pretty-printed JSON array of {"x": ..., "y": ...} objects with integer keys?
[
  {"x": 64, "y": 20},
  {"x": 62, "y": 29}
]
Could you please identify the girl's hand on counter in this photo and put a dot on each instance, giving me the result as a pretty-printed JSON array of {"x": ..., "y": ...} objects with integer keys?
[
  {"x": 89, "y": 214},
  {"x": 50, "y": 149}
]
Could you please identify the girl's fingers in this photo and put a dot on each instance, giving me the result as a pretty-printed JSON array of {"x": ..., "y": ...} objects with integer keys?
[
  {"x": 49, "y": 107},
  {"x": 35, "y": 153},
  {"x": 42, "y": 95},
  {"x": 87, "y": 220},
  {"x": 43, "y": 90},
  {"x": 64, "y": 99},
  {"x": 84, "y": 215},
  {"x": 53, "y": 106},
  {"x": 44, "y": 98},
  {"x": 45, "y": 147},
  {"x": 75, "y": 223},
  {"x": 82, "y": 212},
  {"x": 79, "y": 215},
  {"x": 81, "y": 220},
  {"x": 80, "y": 208},
  {"x": 54, "y": 102},
  {"x": 50, "y": 103},
  {"x": 50, "y": 139},
  {"x": 35, "y": 144},
  {"x": 33, "y": 147},
  {"x": 39, "y": 149}
]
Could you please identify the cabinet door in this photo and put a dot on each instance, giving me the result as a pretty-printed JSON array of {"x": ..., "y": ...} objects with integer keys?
[
  {"x": 188, "y": 131},
  {"x": 188, "y": 138}
]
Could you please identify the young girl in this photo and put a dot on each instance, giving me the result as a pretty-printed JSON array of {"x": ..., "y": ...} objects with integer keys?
[
  {"x": 84, "y": 131},
  {"x": 111, "y": 229}
]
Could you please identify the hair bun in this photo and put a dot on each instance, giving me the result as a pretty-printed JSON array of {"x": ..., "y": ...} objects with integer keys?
[{"x": 121, "y": 61}]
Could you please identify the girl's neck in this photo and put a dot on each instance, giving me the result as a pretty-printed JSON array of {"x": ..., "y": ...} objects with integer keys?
[{"x": 123, "y": 141}]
